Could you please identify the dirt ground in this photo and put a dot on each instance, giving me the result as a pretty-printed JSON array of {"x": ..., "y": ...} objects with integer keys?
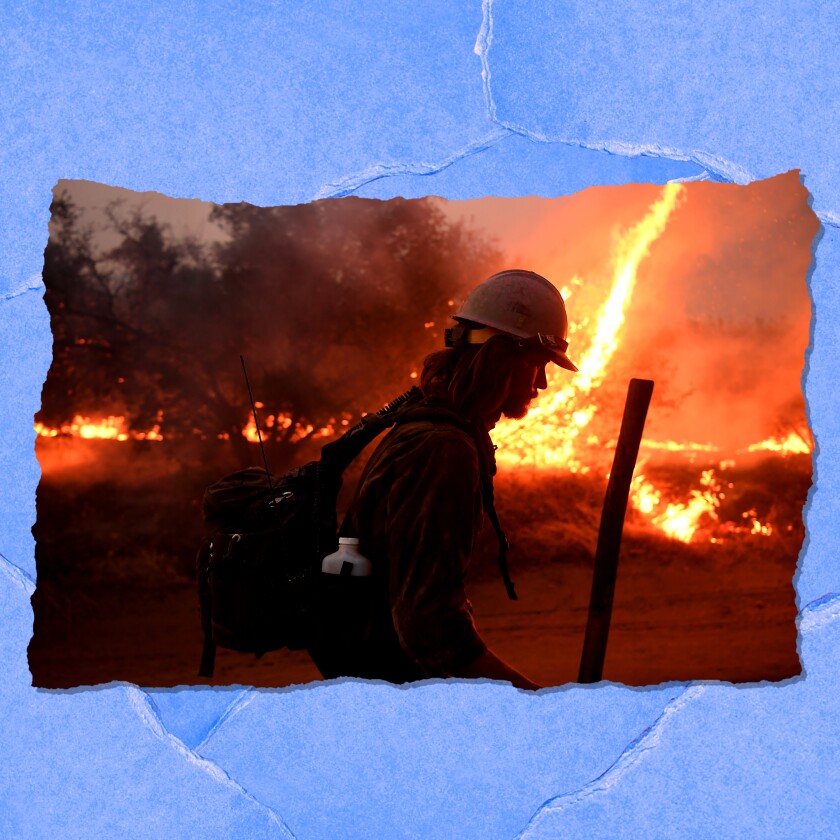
[
  {"x": 117, "y": 532},
  {"x": 672, "y": 620}
]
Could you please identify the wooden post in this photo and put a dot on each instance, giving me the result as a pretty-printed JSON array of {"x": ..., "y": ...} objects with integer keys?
[{"x": 609, "y": 534}]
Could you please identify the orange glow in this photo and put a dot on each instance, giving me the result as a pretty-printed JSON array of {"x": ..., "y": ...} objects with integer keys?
[
  {"x": 674, "y": 446},
  {"x": 108, "y": 428},
  {"x": 548, "y": 435},
  {"x": 793, "y": 444},
  {"x": 250, "y": 431},
  {"x": 562, "y": 428}
]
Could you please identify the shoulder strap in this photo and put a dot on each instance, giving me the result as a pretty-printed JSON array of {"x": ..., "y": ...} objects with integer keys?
[
  {"x": 504, "y": 545},
  {"x": 339, "y": 454}
]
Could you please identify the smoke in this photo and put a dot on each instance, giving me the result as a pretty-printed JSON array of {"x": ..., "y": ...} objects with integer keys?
[
  {"x": 334, "y": 304},
  {"x": 720, "y": 314},
  {"x": 723, "y": 311},
  {"x": 719, "y": 317}
]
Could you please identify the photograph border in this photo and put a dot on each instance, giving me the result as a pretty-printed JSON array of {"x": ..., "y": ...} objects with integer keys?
[{"x": 203, "y": 104}]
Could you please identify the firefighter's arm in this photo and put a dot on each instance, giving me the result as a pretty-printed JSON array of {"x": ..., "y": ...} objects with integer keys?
[{"x": 434, "y": 505}]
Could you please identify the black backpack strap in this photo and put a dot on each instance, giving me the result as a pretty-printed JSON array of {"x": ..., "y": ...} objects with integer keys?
[
  {"x": 504, "y": 545},
  {"x": 338, "y": 455}
]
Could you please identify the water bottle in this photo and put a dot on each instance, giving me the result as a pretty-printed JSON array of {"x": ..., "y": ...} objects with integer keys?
[{"x": 347, "y": 561}]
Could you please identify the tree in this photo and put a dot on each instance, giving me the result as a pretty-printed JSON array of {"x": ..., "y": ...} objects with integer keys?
[
  {"x": 333, "y": 304},
  {"x": 133, "y": 327}
]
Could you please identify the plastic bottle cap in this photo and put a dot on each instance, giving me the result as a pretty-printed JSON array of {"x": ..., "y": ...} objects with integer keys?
[{"x": 348, "y": 540}]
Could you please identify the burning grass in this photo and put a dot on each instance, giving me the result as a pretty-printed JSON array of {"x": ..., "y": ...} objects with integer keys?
[
  {"x": 552, "y": 516},
  {"x": 137, "y": 518}
]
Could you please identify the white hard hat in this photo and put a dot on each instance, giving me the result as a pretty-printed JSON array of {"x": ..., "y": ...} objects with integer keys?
[{"x": 519, "y": 303}]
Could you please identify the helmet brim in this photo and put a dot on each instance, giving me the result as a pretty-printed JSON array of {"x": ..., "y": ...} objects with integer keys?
[{"x": 563, "y": 360}]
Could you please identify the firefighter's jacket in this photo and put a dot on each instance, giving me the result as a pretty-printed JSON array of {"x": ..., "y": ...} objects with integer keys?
[{"x": 416, "y": 512}]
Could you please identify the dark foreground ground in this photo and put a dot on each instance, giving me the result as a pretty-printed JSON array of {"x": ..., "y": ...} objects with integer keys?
[
  {"x": 117, "y": 603},
  {"x": 679, "y": 625}
]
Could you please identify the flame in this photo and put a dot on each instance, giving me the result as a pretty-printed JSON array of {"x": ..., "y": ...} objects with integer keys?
[
  {"x": 250, "y": 431},
  {"x": 684, "y": 521},
  {"x": 679, "y": 521},
  {"x": 107, "y": 428},
  {"x": 285, "y": 421},
  {"x": 674, "y": 446},
  {"x": 551, "y": 430},
  {"x": 794, "y": 444},
  {"x": 755, "y": 526},
  {"x": 551, "y": 433},
  {"x": 115, "y": 427}
]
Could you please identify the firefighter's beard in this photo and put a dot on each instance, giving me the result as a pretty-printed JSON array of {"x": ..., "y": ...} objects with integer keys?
[
  {"x": 526, "y": 380},
  {"x": 516, "y": 405}
]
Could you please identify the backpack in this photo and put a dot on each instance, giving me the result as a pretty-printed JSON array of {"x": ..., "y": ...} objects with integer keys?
[{"x": 258, "y": 570}]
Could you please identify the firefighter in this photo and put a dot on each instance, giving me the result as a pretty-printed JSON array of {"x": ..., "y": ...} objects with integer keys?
[{"x": 423, "y": 493}]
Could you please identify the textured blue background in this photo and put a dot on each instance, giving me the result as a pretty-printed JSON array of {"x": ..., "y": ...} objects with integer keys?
[{"x": 279, "y": 103}]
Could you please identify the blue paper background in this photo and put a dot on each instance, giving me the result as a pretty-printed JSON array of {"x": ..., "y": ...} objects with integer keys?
[{"x": 277, "y": 103}]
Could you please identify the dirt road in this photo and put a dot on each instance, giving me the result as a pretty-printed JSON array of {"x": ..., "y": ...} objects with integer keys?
[{"x": 674, "y": 619}]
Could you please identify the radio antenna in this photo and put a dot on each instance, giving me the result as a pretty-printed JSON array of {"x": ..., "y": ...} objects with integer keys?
[{"x": 256, "y": 423}]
